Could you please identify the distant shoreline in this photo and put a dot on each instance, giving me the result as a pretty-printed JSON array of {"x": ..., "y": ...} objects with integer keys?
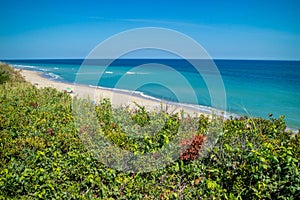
[
  {"x": 121, "y": 97},
  {"x": 118, "y": 97},
  {"x": 253, "y": 89}
]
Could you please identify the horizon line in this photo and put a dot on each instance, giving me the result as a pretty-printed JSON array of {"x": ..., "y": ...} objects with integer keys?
[{"x": 77, "y": 58}]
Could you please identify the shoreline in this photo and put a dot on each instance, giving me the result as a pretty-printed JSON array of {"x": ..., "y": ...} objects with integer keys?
[
  {"x": 121, "y": 97},
  {"x": 118, "y": 97}
]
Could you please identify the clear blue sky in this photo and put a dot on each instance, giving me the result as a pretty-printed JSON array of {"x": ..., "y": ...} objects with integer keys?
[{"x": 226, "y": 29}]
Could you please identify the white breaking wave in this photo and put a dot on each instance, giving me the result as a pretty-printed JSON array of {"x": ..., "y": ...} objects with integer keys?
[
  {"x": 200, "y": 108},
  {"x": 54, "y": 76},
  {"x": 25, "y": 66},
  {"x": 130, "y": 73},
  {"x": 36, "y": 68}
]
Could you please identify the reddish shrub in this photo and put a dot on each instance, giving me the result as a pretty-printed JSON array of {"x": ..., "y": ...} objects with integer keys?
[
  {"x": 50, "y": 131},
  {"x": 191, "y": 147},
  {"x": 84, "y": 129},
  {"x": 33, "y": 104}
]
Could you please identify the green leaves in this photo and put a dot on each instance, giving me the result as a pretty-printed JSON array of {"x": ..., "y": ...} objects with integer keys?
[
  {"x": 42, "y": 157},
  {"x": 3, "y": 76}
]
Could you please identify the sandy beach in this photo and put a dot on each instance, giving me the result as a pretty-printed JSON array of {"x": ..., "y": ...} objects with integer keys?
[{"x": 118, "y": 98}]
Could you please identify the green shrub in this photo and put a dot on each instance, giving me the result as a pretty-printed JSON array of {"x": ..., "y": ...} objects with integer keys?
[
  {"x": 8, "y": 74},
  {"x": 43, "y": 157},
  {"x": 3, "y": 76}
]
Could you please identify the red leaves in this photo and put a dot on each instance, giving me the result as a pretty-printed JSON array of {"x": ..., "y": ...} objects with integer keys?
[
  {"x": 191, "y": 147},
  {"x": 50, "y": 131},
  {"x": 83, "y": 129},
  {"x": 33, "y": 104}
]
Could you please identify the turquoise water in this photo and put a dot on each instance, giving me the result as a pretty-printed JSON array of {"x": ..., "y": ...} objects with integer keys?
[{"x": 254, "y": 88}]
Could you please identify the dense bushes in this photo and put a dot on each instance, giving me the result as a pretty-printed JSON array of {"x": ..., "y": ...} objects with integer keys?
[
  {"x": 7, "y": 74},
  {"x": 256, "y": 158},
  {"x": 42, "y": 156},
  {"x": 192, "y": 147},
  {"x": 3, "y": 76}
]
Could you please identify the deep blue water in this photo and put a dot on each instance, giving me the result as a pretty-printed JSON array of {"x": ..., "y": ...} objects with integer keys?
[{"x": 254, "y": 88}]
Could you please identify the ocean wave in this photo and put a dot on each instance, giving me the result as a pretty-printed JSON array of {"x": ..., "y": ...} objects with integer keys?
[
  {"x": 198, "y": 108},
  {"x": 131, "y": 73},
  {"x": 148, "y": 96},
  {"x": 111, "y": 72},
  {"x": 43, "y": 69},
  {"x": 93, "y": 86},
  {"x": 53, "y": 76},
  {"x": 24, "y": 66},
  {"x": 30, "y": 67}
]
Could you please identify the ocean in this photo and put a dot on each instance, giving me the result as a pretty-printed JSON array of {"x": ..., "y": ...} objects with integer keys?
[{"x": 254, "y": 88}]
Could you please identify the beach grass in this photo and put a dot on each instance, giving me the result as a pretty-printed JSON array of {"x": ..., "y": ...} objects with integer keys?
[{"x": 44, "y": 156}]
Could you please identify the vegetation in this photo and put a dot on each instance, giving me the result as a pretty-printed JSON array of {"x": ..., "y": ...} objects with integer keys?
[{"x": 42, "y": 155}]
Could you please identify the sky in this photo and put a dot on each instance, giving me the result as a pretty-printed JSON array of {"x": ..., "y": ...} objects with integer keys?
[{"x": 236, "y": 29}]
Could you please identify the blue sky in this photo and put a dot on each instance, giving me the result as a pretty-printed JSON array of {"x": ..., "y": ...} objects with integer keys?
[{"x": 226, "y": 29}]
